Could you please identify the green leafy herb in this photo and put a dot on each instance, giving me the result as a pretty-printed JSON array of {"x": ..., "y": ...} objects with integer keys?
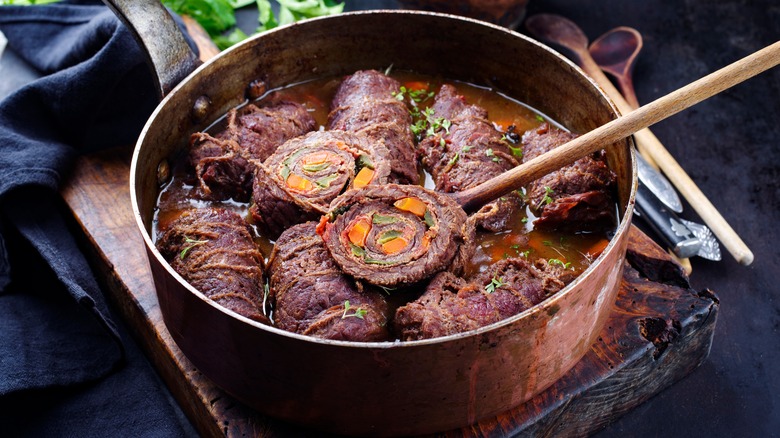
[
  {"x": 325, "y": 181},
  {"x": 466, "y": 148},
  {"x": 218, "y": 17},
  {"x": 192, "y": 243},
  {"x": 371, "y": 261},
  {"x": 356, "y": 250},
  {"x": 560, "y": 263},
  {"x": 388, "y": 236},
  {"x": 383, "y": 220},
  {"x": 428, "y": 218},
  {"x": 364, "y": 161},
  {"x": 454, "y": 159},
  {"x": 547, "y": 198},
  {"x": 539, "y": 118},
  {"x": 357, "y": 313},
  {"x": 494, "y": 284},
  {"x": 489, "y": 152},
  {"x": 516, "y": 151}
]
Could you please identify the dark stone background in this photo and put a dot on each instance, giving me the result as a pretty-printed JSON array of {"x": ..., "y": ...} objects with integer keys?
[{"x": 730, "y": 146}]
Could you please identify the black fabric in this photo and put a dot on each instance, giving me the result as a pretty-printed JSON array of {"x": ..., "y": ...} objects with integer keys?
[{"x": 63, "y": 358}]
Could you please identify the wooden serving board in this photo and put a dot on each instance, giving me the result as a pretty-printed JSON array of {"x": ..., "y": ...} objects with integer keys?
[{"x": 659, "y": 330}]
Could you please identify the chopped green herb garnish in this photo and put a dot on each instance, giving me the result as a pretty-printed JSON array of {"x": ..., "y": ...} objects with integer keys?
[
  {"x": 516, "y": 151},
  {"x": 357, "y": 313},
  {"x": 466, "y": 148},
  {"x": 489, "y": 152},
  {"x": 560, "y": 263},
  {"x": 454, "y": 159},
  {"x": 192, "y": 243},
  {"x": 494, "y": 284},
  {"x": 547, "y": 198}
]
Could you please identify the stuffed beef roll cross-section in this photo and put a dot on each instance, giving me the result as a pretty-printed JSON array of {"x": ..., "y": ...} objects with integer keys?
[
  {"x": 213, "y": 250},
  {"x": 298, "y": 182},
  {"x": 311, "y": 296},
  {"x": 396, "y": 235},
  {"x": 223, "y": 163}
]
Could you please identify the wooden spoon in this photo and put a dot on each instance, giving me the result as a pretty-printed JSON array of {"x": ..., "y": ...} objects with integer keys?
[
  {"x": 624, "y": 126},
  {"x": 615, "y": 52}
]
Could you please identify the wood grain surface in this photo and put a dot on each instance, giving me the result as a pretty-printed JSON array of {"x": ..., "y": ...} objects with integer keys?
[{"x": 659, "y": 330}]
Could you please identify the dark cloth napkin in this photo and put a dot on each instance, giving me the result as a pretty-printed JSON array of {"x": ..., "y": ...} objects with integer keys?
[{"x": 64, "y": 359}]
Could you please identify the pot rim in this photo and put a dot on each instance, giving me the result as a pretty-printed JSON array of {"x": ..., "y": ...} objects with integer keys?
[{"x": 624, "y": 223}]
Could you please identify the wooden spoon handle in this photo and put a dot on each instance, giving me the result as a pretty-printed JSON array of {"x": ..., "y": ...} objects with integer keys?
[{"x": 622, "y": 127}]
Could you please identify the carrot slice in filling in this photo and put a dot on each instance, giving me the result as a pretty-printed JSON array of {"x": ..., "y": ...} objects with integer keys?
[
  {"x": 363, "y": 178},
  {"x": 395, "y": 245},
  {"x": 412, "y": 205},
  {"x": 299, "y": 183},
  {"x": 359, "y": 231}
]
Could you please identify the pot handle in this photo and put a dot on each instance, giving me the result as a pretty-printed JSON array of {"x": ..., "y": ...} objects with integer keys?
[{"x": 166, "y": 50}]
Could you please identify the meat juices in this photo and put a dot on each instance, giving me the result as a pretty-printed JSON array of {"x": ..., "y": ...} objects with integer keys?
[
  {"x": 396, "y": 235},
  {"x": 575, "y": 197},
  {"x": 298, "y": 181},
  {"x": 466, "y": 153},
  {"x": 365, "y": 103},
  {"x": 213, "y": 250},
  {"x": 223, "y": 164},
  {"x": 311, "y": 295},
  {"x": 452, "y": 305}
]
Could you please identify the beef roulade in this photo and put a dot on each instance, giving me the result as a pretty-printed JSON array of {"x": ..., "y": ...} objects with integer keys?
[
  {"x": 213, "y": 250},
  {"x": 311, "y": 296},
  {"x": 223, "y": 163},
  {"x": 452, "y": 305},
  {"x": 577, "y": 196},
  {"x": 298, "y": 182},
  {"x": 395, "y": 235},
  {"x": 464, "y": 150},
  {"x": 366, "y": 102}
]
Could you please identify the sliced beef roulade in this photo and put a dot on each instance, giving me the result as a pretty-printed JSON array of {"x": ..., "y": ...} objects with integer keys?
[
  {"x": 298, "y": 182},
  {"x": 311, "y": 296},
  {"x": 578, "y": 196},
  {"x": 465, "y": 150},
  {"x": 452, "y": 305},
  {"x": 396, "y": 235},
  {"x": 213, "y": 250},
  {"x": 366, "y": 102},
  {"x": 223, "y": 164}
]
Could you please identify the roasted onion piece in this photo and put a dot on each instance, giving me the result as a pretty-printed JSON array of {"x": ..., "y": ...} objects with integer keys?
[
  {"x": 298, "y": 182},
  {"x": 395, "y": 235},
  {"x": 213, "y": 250},
  {"x": 310, "y": 295}
]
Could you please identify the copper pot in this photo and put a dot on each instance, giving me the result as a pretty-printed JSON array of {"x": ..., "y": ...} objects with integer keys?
[{"x": 384, "y": 388}]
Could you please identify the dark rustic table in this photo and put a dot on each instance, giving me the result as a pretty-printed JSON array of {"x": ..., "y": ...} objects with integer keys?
[{"x": 730, "y": 146}]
